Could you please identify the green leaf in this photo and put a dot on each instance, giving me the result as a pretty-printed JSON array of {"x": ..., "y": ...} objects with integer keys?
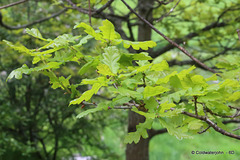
[
  {"x": 235, "y": 96},
  {"x": 166, "y": 106},
  {"x": 104, "y": 70},
  {"x": 210, "y": 96},
  {"x": 86, "y": 96},
  {"x": 166, "y": 78},
  {"x": 198, "y": 79},
  {"x": 128, "y": 93},
  {"x": 18, "y": 47},
  {"x": 84, "y": 40},
  {"x": 101, "y": 106},
  {"x": 174, "y": 131},
  {"x": 141, "y": 56},
  {"x": 17, "y": 73},
  {"x": 46, "y": 51},
  {"x": 83, "y": 114},
  {"x": 139, "y": 45},
  {"x": 35, "y": 33},
  {"x": 63, "y": 40},
  {"x": 195, "y": 125},
  {"x": 175, "y": 82},
  {"x": 150, "y": 91},
  {"x": 110, "y": 58},
  {"x": 89, "y": 30},
  {"x": 50, "y": 65},
  {"x": 132, "y": 137},
  {"x": 141, "y": 131},
  {"x": 174, "y": 97},
  {"x": 108, "y": 31},
  {"x": 160, "y": 66},
  {"x": 91, "y": 64},
  {"x": 119, "y": 100},
  {"x": 101, "y": 80},
  {"x": 173, "y": 113},
  {"x": 151, "y": 104},
  {"x": 143, "y": 68},
  {"x": 62, "y": 81},
  {"x": 185, "y": 72},
  {"x": 36, "y": 59}
]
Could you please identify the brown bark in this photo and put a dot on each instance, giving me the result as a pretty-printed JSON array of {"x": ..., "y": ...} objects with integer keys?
[
  {"x": 137, "y": 151},
  {"x": 140, "y": 150}
]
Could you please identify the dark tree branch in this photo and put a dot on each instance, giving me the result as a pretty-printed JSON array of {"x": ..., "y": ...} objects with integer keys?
[
  {"x": 154, "y": 132},
  {"x": 13, "y": 4},
  {"x": 95, "y": 13},
  {"x": 169, "y": 40},
  {"x": 231, "y": 121},
  {"x": 212, "y": 124},
  {"x": 34, "y": 22},
  {"x": 191, "y": 35},
  {"x": 164, "y": 3}
]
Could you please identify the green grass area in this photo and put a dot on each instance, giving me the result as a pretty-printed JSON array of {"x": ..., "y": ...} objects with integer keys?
[{"x": 167, "y": 147}]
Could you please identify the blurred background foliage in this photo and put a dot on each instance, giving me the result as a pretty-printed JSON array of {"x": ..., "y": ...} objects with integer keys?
[{"x": 36, "y": 122}]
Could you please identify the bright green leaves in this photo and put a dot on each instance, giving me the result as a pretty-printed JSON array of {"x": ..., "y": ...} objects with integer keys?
[
  {"x": 173, "y": 129},
  {"x": 108, "y": 31},
  {"x": 162, "y": 66},
  {"x": 89, "y": 65},
  {"x": 35, "y": 33},
  {"x": 62, "y": 82},
  {"x": 141, "y": 131},
  {"x": 195, "y": 125},
  {"x": 153, "y": 91},
  {"x": 18, "y": 47},
  {"x": 111, "y": 58},
  {"x": 104, "y": 70},
  {"x": 86, "y": 96},
  {"x": 17, "y": 73},
  {"x": 132, "y": 80},
  {"x": 139, "y": 45},
  {"x": 101, "y": 106},
  {"x": 89, "y": 30}
]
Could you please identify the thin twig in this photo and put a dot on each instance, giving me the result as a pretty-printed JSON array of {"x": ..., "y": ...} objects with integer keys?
[
  {"x": 195, "y": 104},
  {"x": 13, "y": 4},
  {"x": 201, "y": 132},
  {"x": 89, "y": 12},
  {"x": 169, "y": 40},
  {"x": 165, "y": 15},
  {"x": 34, "y": 22}
]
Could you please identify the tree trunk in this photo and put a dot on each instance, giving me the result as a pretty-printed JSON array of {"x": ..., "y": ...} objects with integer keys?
[
  {"x": 140, "y": 151},
  {"x": 137, "y": 151}
]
